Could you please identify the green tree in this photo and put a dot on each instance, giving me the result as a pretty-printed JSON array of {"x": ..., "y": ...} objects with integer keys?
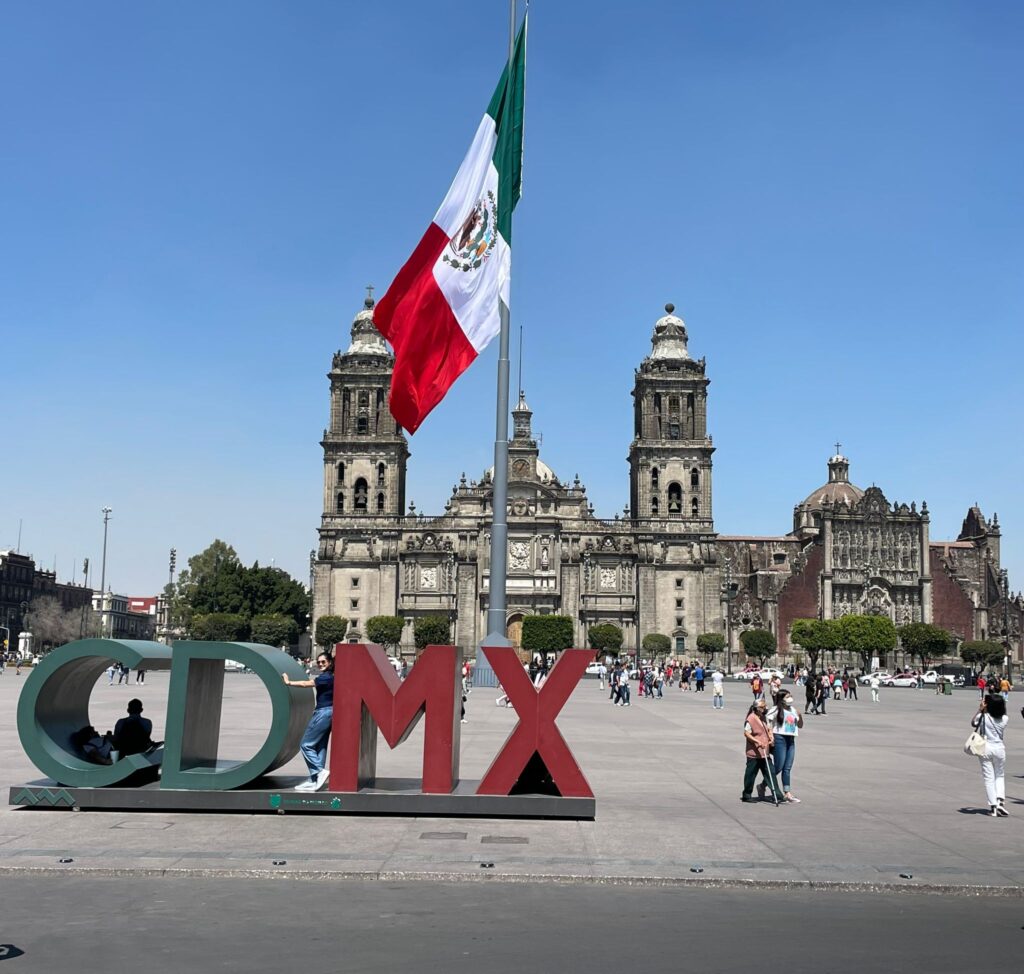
[
  {"x": 605, "y": 637},
  {"x": 274, "y": 629},
  {"x": 432, "y": 631},
  {"x": 386, "y": 631},
  {"x": 212, "y": 583},
  {"x": 330, "y": 630},
  {"x": 547, "y": 634},
  {"x": 814, "y": 637},
  {"x": 272, "y": 591},
  {"x": 759, "y": 643},
  {"x": 867, "y": 636},
  {"x": 655, "y": 644},
  {"x": 924, "y": 641},
  {"x": 221, "y": 627},
  {"x": 982, "y": 652},
  {"x": 710, "y": 643}
]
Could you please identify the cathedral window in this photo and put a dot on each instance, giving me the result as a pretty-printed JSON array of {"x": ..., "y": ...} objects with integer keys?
[
  {"x": 654, "y": 478},
  {"x": 380, "y": 503},
  {"x": 360, "y": 495},
  {"x": 380, "y": 474},
  {"x": 339, "y": 506},
  {"x": 675, "y": 498},
  {"x": 694, "y": 478},
  {"x": 654, "y": 506},
  {"x": 695, "y": 507},
  {"x": 673, "y": 431},
  {"x": 362, "y": 424},
  {"x": 341, "y": 473}
]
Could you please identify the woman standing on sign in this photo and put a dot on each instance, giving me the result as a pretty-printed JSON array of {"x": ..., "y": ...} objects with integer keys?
[
  {"x": 318, "y": 730},
  {"x": 990, "y": 722}
]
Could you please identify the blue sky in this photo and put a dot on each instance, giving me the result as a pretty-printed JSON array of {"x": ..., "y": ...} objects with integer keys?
[{"x": 193, "y": 196}]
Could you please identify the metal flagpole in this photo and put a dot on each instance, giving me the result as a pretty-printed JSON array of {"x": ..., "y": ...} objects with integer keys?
[{"x": 483, "y": 675}]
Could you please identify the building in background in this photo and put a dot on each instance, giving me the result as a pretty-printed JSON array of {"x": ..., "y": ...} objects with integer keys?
[
  {"x": 660, "y": 567},
  {"x": 118, "y": 621}
]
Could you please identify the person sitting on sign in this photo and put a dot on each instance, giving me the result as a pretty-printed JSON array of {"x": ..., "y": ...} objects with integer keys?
[
  {"x": 133, "y": 734},
  {"x": 91, "y": 746}
]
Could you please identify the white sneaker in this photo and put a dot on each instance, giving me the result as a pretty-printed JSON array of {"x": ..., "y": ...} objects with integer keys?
[
  {"x": 321, "y": 780},
  {"x": 306, "y": 786}
]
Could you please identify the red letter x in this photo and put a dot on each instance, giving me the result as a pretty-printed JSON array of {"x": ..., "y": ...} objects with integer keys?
[{"x": 536, "y": 731}]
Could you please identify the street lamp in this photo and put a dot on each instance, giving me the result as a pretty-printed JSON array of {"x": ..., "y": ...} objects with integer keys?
[
  {"x": 107, "y": 511},
  {"x": 729, "y": 592}
]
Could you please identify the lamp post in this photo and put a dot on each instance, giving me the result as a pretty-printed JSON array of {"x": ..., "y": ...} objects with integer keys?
[
  {"x": 107, "y": 511},
  {"x": 729, "y": 588}
]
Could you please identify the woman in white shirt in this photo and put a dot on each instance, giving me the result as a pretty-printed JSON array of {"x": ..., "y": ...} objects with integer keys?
[
  {"x": 990, "y": 722},
  {"x": 785, "y": 721}
]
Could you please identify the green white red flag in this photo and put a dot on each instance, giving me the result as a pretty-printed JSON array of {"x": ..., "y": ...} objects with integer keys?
[{"x": 443, "y": 307}]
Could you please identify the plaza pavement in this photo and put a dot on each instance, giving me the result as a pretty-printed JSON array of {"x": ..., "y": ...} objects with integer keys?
[{"x": 886, "y": 791}]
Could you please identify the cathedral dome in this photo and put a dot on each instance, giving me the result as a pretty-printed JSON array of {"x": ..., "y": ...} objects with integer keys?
[
  {"x": 366, "y": 340},
  {"x": 838, "y": 489},
  {"x": 669, "y": 338}
]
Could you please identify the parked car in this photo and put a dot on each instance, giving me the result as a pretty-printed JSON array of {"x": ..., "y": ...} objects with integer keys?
[
  {"x": 233, "y": 666},
  {"x": 900, "y": 680},
  {"x": 593, "y": 669},
  {"x": 931, "y": 676},
  {"x": 882, "y": 675},
  {"x": 766, "y": 674}
]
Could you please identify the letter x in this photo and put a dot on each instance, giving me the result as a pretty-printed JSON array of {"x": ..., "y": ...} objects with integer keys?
[{"x": 536, "y": 731}]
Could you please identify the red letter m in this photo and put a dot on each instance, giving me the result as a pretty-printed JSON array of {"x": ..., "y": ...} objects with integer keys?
[{"x": 368, "y": 695}]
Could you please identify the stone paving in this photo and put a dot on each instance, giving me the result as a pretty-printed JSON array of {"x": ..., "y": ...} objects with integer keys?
[{"x": 887, "y": 794}]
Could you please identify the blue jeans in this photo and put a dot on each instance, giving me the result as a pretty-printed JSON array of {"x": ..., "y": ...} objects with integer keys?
[
  {"x": 314, "y": 741},
  {"x": 785, "y": 752}
]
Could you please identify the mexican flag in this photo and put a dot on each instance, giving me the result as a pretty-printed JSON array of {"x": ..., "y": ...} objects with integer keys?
[{"x": 443, "y": 307}]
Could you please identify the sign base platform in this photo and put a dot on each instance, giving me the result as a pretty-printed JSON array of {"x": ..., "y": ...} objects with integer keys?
[{"x": 389, "y": 796}]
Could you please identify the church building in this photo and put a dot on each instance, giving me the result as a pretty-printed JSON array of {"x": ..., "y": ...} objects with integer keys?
[{"x": 659, "y": 567}]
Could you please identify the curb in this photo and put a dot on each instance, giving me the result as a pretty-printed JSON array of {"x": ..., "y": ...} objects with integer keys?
[{"x": 390, "y": 876}]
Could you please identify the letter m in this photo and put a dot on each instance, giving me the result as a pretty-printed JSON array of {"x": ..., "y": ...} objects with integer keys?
[{"x": 369, "y": 696}]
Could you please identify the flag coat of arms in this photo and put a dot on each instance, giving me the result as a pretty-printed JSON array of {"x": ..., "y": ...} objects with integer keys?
[{"x": 443, "y": 307}]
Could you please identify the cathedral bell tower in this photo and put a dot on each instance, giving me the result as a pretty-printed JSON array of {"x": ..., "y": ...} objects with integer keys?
[
  {"x": 365, "y": 450},
  {"x": 670, "y": 456}
]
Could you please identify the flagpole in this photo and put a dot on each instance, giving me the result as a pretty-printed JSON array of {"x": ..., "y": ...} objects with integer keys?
[{"x": 483, "y": 674}]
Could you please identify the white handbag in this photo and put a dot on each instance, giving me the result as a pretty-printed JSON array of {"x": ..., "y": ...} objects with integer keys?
[{"x": 976, "y": 743}]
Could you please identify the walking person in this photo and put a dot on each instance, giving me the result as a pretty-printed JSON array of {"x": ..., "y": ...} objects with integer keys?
[
  {"x": 853, "y": 686},
  {"x": 684, "y": 678},
  {"x": 990, "y": 722},
  {"x": 718, "y": 689},
  {"x": 757, "y": 687},
  {"x": 602, "y": 673},
  {"x": 785, "y": 721},
  {"x": 874, "y": 684},
  {"x": 760, "y": 739},
  {"x": 318, "y": 730},
  {"x": 698, "y": 675},
  {"x": 821, "y": 693},
  {"x": 811, "y": 694}
]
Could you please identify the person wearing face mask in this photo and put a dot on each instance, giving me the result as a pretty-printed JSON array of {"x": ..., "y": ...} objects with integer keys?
[
  {"x": 757, "y": 732},
  {"x": 785, "y": 721}
]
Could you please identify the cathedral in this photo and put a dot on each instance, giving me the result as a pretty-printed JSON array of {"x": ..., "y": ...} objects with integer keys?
[{"x": 659, "y": 567}]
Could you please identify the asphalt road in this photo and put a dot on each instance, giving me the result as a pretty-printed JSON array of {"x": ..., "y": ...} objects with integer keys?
[{"x": 153, "y": 926}]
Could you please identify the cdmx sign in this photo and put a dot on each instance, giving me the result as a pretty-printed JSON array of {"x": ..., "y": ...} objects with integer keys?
[{"x": 368, "y": 698}]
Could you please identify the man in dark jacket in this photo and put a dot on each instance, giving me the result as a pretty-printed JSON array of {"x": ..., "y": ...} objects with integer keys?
[{"x": 133, "y": 734}]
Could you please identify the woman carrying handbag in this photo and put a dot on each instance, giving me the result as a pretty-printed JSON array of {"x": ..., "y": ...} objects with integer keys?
[{"x": 986, "y": 742}]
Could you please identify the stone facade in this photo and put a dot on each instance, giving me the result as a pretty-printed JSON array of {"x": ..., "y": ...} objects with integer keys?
[{"x": 659, "y": 567}]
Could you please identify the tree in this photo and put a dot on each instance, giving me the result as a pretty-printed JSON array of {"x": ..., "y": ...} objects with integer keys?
[
  {"x": 867, "y": 636},
  {"x": 547, "y": 634},
  {"x": 386, "y": 631},
  {"x": 272, "y": 591},
  {"x": 51, "y": 624},
  {"x": 220, "y": 627},
  {"x": 710, "y": 643},
  {"x": 982, "y": 652},
  {"x": 655, "y": 644},
  {"x": 759, "y": 643},
  {"x": 814, "y": 637},
  {"x": 431, "y": 631},
  {"x": 274, "y": 629},
  {"x": 605, "y": 637},
  {"x": 924, "y": 641},
  {"x": 330, "y": 630}
]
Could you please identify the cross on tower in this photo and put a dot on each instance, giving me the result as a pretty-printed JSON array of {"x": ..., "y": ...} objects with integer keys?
[
  {"x": 369, "y": 291},
  {"x": 838, "y": 446}
]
